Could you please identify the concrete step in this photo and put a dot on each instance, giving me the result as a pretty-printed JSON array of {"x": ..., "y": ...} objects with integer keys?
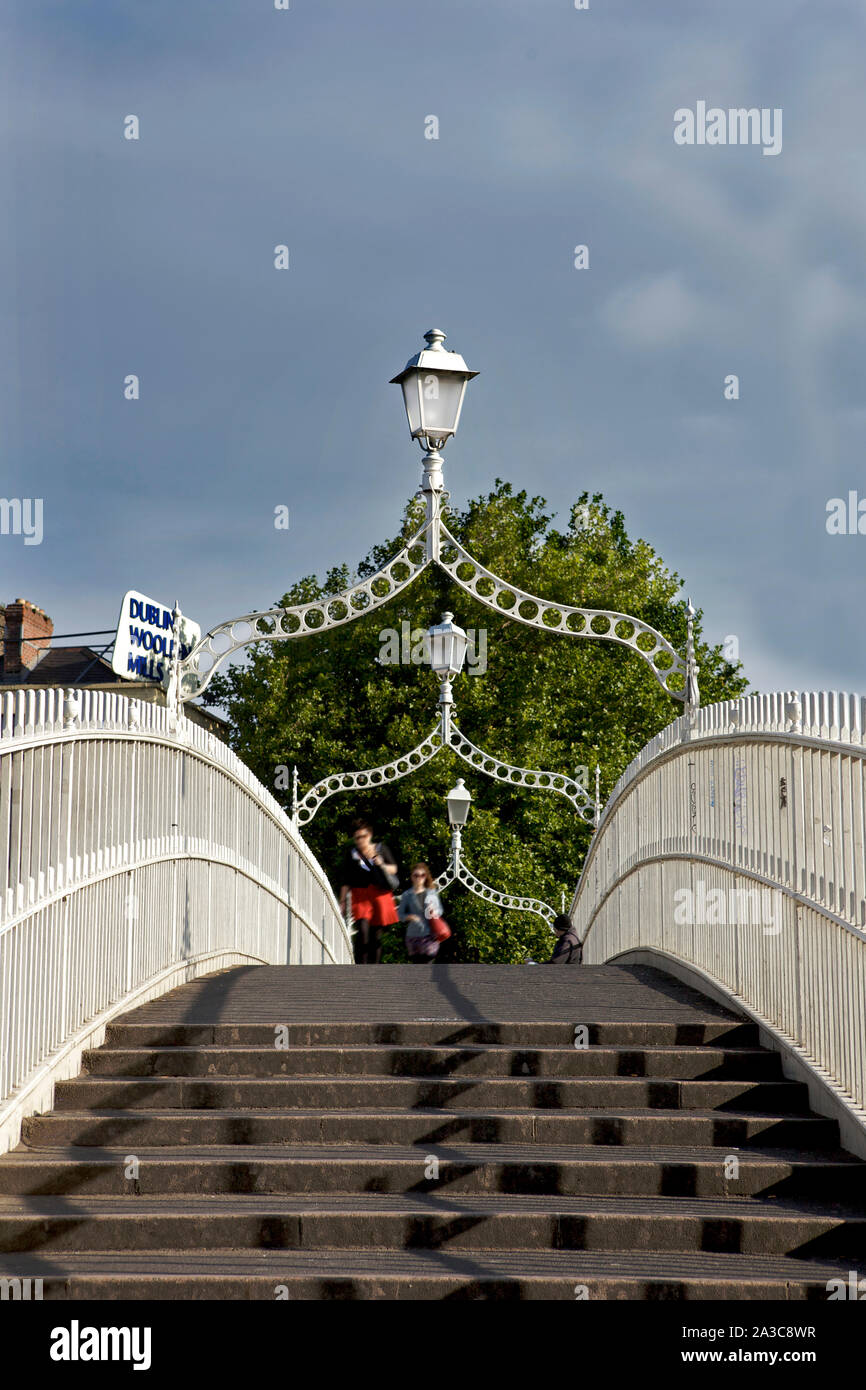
[
  {"x": 381, "y": 1126},
  {"x": 678, "y": 1063},
  {"x": 432, "y": 1134},
  {"x": 415, "y": 1274},
  {"x": 574, "y": 1169},
  {"x": 321, "y": 1093},
  {"x": 431, "y": 1033},
  {"x": 458, "y": 995},
  {"x": 430, "y": 1221}
]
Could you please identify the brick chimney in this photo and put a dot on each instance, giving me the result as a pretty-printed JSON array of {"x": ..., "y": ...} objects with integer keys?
[{"x": 27, "y": 637}]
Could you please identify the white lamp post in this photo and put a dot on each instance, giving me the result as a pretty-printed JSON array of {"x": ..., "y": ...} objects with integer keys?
[
  {"x": 434, "y": 383},
  {"x": 445, "y": 645},
  {"x": 459, "y": 800},
  {"x": 445, "y": 648}
]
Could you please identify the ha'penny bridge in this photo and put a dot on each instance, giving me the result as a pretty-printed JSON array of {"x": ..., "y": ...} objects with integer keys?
[{"x": 201, "y": 1095}]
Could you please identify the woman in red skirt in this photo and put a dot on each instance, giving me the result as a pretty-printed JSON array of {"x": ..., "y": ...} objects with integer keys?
[{"x": 366, "y": 871}]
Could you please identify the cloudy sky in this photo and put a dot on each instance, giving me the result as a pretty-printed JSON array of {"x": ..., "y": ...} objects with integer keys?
[{"x": 262, "y": 387}]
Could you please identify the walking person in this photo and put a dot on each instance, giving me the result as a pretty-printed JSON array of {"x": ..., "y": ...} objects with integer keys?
[
  {"x": 417, "y": 905},
  {"x": 569, "y": 948},
  {"x": 369, "y": 875}
]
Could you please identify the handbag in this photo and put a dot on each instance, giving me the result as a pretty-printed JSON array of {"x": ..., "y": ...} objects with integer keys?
[{"x": 439, "y": 928}]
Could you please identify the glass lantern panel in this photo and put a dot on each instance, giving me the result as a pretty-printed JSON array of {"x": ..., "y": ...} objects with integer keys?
[
  {"x": 459, "y": 643},
  {"x": 441, "y": 395},
  {"x": 412, "y": 399},
  {"x": 441, "y": 644},
  {"x": 458, "y": 807}
]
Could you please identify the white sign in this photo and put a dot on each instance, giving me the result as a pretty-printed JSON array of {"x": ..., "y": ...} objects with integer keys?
[{"x": 144, "y": 645}]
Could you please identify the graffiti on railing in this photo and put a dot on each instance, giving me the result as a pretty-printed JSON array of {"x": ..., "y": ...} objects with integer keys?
[{"x": 740, "y": 806}]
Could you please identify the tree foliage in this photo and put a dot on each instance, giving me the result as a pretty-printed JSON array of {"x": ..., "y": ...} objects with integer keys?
[{"x": 545, "y": 701}]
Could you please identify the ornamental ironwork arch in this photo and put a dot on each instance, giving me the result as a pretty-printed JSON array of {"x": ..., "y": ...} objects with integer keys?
[
  {"x": 433, "y": 543},
  {"x": 676, "y": 675},
  {"x": 456, "y": 872},
  {"x": 447, "y": 735}
]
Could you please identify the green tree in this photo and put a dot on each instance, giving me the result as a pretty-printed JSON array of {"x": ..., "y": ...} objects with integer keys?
[{"x": 545, "y": 701}]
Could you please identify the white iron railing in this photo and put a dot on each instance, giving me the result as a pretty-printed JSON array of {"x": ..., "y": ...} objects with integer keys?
[
  {"x": 136, "y": 852},
  {"x": 735, "y": 843}
]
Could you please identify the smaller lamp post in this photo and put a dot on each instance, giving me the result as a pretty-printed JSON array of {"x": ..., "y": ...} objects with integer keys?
[
  {"x": 693, "y": 694},
  {"x": 171, "y": 679},
  {"x": 459, "y": 800},
  {"x": 445, "y": 648}
]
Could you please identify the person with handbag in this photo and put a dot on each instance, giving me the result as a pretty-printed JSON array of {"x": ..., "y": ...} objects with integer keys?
[
  {"x": 369, "y": 878},
  {"x": 421, "y": 910}
]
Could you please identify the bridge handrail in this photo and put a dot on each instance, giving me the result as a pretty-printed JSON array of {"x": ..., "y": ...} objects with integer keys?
[
  {"x": 734, "y": 843},
  {"x": 138, "y": 852}
]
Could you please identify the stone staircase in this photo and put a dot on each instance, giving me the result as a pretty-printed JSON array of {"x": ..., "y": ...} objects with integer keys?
[{"x": 400, "y": 1132}]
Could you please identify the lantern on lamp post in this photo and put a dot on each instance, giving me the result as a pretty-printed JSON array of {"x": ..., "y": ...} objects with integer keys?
[
  {"x": 434, "y": 384},
  {"x": 445, "y": 648},
  {"x": 459, "y": 801}
]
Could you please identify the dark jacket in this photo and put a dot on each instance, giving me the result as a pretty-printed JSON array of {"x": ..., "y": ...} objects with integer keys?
[
  {"x": 568, "y": 949},
  {"x": 414, "y": 904},
  {"x": 358, "y": 872}
]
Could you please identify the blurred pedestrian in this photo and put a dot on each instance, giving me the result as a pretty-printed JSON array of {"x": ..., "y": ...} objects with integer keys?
[
  {"x": 369, "y": 879},
  {"x": 569, "y": 948},
  {"x": 417, "y": 905}
]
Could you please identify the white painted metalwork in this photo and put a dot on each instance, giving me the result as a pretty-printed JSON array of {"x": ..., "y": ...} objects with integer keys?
[
  {"x": 434, "y": 383},
  {"x": 381, "y": 776},
  {"x": 445, "y": 647},
  {"x": 459, "y": 803},
  {"x": 678, "y": 678},
  {"x": 507, "y": 600},
  {"x": 692, "y": 693},
  {"x": 303, "y": 619},
  {"x": 446, "y": 662},
  {"x": 735, "y": 843},
  {"x": 433, "y": 416},
  {"x": 458, "y": 872},
  {"x": 135, "y": 856},
  {"x": 532, "y": 779}
]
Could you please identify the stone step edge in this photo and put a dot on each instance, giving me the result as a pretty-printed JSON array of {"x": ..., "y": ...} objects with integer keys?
[
  {"x": 180, "y": 1205},
  {"x": 159, "y": 1264},
  {"x": 402, "y": 1112},
  {"x": 698, "y": 1049},
  {"x": 311, "y": 1152},
  {"x": 92, "y": 1079}
]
